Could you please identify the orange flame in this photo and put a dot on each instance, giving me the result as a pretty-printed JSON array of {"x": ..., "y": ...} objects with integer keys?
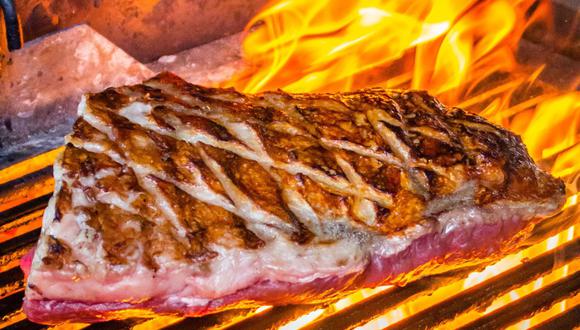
[
  {"x": 554, "y": 126},
  {"x": 306, "y": 46},
  {"x": 454, "y": 49}
]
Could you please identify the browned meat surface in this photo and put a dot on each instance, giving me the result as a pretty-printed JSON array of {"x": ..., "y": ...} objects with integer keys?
[{"x": 182, "y": 199}]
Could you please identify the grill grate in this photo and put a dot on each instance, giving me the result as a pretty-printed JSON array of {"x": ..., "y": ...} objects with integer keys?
[{"x": 22, "y": 200}]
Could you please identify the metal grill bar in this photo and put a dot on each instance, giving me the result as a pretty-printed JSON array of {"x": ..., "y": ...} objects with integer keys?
[
  {"x": 24, "y": 209},
  {"x": 218, "y": 320},
  {"x": 12, "y": 302},
  {"x": 20, "y": 242},
  {"x": 15, "y": 193},
  {"x": 486, "y": 292},
  {"x": 26, "y": 325},
  {"x": 533, "y": 303},
  {"x": 275, "y": 317},
  {"x": 566, "y": 320},
  {"x": 115, "y": 325}
]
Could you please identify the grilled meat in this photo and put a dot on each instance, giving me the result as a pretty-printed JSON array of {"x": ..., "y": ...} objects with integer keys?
[{"x": 175, "y": 198}]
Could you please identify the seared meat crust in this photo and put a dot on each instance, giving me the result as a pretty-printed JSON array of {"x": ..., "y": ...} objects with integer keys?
[{"x": 167, "y": 174}]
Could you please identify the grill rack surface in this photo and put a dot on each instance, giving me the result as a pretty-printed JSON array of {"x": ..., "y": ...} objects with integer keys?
[{"x": 23, "y": 198}]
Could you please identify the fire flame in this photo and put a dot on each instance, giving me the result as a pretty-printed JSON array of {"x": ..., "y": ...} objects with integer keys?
[
  {"x": 304, "y": 46},
  {"x": 454, "y": 49}
]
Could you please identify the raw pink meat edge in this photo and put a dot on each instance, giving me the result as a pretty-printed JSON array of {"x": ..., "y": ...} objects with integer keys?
[{"x": 422, "y": 256}]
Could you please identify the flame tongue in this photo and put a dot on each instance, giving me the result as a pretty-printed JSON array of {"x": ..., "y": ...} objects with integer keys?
[
  {"x": 306, "y": 46},
  {"x": 454, "y": 49}
]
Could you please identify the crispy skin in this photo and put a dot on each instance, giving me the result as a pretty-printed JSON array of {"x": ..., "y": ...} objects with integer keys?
[{"x": 169, "y": 178}]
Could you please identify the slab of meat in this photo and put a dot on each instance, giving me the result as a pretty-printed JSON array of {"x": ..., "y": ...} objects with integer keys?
[{"x": 175, "y": 198}]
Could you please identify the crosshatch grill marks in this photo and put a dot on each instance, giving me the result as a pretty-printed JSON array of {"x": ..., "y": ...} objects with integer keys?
[
  {"x": 116, "y": 209},
  {"x": 320, "y": 130},
  {"x": 158, "y": 213},
  {"x": 361, "y": 209},
  {"x": 363, "y": 156},
  {"x": 186, "y": 157},
  {"x": 177, "y": 159},
  {"x": 255, "y": 182},
  {"x": 324, "y": 168},
  {"x": 254, "y": 201},
  {"x": 284, "y": 146},
  {"x": 325, "y": 203},
  {"x": 413, "y": 179},
  {"x": 174, "y": 160},
  {"x": 203, "y": 223},
  {"x": 174, "y": 205}
]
